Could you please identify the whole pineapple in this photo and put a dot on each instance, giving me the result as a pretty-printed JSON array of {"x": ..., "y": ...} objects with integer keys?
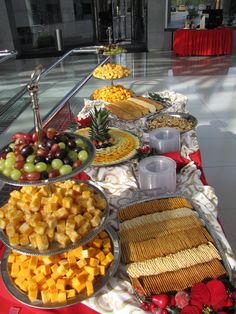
[{"x": 99, "y": 130}]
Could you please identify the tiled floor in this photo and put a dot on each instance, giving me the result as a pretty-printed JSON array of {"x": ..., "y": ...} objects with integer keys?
[{"x": 208, "y": 82}]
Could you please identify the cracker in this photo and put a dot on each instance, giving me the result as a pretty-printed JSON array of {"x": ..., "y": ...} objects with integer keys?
[
  {"x": 181, "y": 279},
  {"x": 165, "y": 245},
  {"x": 186, "y": 258},
  {"x": 153, "y": 206},
  {"x": 151, "y": 231}
]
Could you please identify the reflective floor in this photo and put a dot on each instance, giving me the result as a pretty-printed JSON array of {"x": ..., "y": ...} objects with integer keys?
[{"x": 208, "y": 82}]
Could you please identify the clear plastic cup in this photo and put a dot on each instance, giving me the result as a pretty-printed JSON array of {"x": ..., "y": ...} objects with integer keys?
[
  {"x": 165, "y": 140},
  {"x": 157, "y": 175}
]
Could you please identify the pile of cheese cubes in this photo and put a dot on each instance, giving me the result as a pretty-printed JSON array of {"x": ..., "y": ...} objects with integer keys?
[{"x": 58, "y": 278}]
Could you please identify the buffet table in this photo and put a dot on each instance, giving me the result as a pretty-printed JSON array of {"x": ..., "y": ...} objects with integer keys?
[
  {"x": 207, "y": 42},
  {"x": 120, "y": 185}
]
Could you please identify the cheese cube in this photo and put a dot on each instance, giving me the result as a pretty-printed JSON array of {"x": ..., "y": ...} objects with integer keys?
[
  {"x": 45, "y": 296},
  {"x": 100, "y": 256},
  {"x": 33, "y": 295},
  {"x": 51, "y": 283},
  {"x": 61, "y": 213},
  {"x": 14, "y": 240},
  {"x": 11, "y": 258},
  {"x": 53, "y": 295},
  {"x": 67, "y": 202},
  {"x": 25, "y": 228},
  {"x": 110, "y": 257},
  {"x": 97, "y": 243},
  {"x": 40, "y": 228},
  {"x": 61, "y": 296},
  {"x": 93, "y": 262},
  {"x": 70, "y": 293},
  {"x": 61, "y": 284},
  {"x": 40, "y": 278},
  {"x": 81, "y": 263},
  {"x": 102, "y": 269},
  {"x": 24, "y": 240},
  {"x": 89, "y": 288}
]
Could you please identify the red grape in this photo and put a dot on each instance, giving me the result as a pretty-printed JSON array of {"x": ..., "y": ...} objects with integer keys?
[
  {"x": 23, "y": 176},
  {"x": 19, "y": 164},
  {"x": 33, "y": 176},
  {"x": 53, "y": 173}
]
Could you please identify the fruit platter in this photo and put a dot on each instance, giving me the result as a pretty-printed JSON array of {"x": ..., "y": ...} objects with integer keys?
[
  {"x": 61, "y": 155},
  {"x": 37, "y": 221},
  {"x": 113, "y": 145},
  {"x": 50, "y": 282}
]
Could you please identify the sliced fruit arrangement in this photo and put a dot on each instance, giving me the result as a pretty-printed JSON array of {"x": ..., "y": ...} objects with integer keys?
[
  {"x": 99, "y": 130},
  {"x": 39, "y": 219},
  {"x": 26, "y": 159},
  {"x": 112, "y": 93},
  {"x": 61, "y": 278},
  {"x": 111, "y": 71},
  {"x": 112, "y": 145}
]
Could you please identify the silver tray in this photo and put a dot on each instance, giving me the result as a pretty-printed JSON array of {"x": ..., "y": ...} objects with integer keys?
[
  {"x": 99, "y": 283},
  {"x": 140, "y": 197},
  {"x": 91, "y": 152},
  {"x": 55, "y": 247},
  {"x": 177, "y": 115},
  {"x": 118, "y": 162}
]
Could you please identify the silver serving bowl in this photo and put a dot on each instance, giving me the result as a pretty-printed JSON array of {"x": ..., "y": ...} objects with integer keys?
[
  {"x": 186, "y": 116},
  {"x": 99, "y": 282},
  {"x": 91, "y": 155},
  {"x": 55, "y": 247}
]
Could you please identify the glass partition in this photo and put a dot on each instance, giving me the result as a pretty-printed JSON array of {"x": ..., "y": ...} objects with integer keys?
[{"x": 57, "y": 80}]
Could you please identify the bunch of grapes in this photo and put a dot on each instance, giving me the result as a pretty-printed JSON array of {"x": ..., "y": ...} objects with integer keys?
[{"x": 26, "y": 159}]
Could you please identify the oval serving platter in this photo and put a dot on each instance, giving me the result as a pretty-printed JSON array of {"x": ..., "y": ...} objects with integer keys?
[
  {"x": 105, "y": 157},
  {"x": 99, "y": 283}
]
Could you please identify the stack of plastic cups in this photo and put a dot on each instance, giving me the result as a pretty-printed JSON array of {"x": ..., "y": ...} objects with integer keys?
[{"x": 157, "y": 174}]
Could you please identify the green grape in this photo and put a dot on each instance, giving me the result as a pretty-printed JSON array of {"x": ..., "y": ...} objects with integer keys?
[
  {"x": 57, "y": 163},
  {"x": 79, "y": 142},
  {"x": 9, "y": 162},
  {"x": 29, "y": 167},
  {"x": 41, "y": 166},
  {"x": 2, "y": 164},
  {"x": 83, "y": 155},
  {"x": 30, "y": 159},
  {"x": 11, "y": 155},
  {"x": 65, "y": 169},
  {"x": 62, "y": 145},
  {"x": 15, "y": 174},
  {"x": 12, "y": 146},
  {"x": 72, "y": 155},
  {"x": 7, "y": 172}
]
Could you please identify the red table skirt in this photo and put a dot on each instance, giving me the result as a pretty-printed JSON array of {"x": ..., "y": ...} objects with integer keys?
[{"x": 206, "y": 42}]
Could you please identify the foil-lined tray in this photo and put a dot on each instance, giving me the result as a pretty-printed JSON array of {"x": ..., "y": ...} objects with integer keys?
[
  {"x": 99, "y": 283},
  {"x": 141, "y": 196},
  {"x": 55, "y": 247}
]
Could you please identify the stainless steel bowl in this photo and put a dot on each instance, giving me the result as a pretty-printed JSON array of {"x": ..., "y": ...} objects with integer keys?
[
  {"x": 177, "y": 115},
  {"x": 55, "y": 247},
  {"x": 91, "y": 152},
  {"x": 99, "y": 283}
]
